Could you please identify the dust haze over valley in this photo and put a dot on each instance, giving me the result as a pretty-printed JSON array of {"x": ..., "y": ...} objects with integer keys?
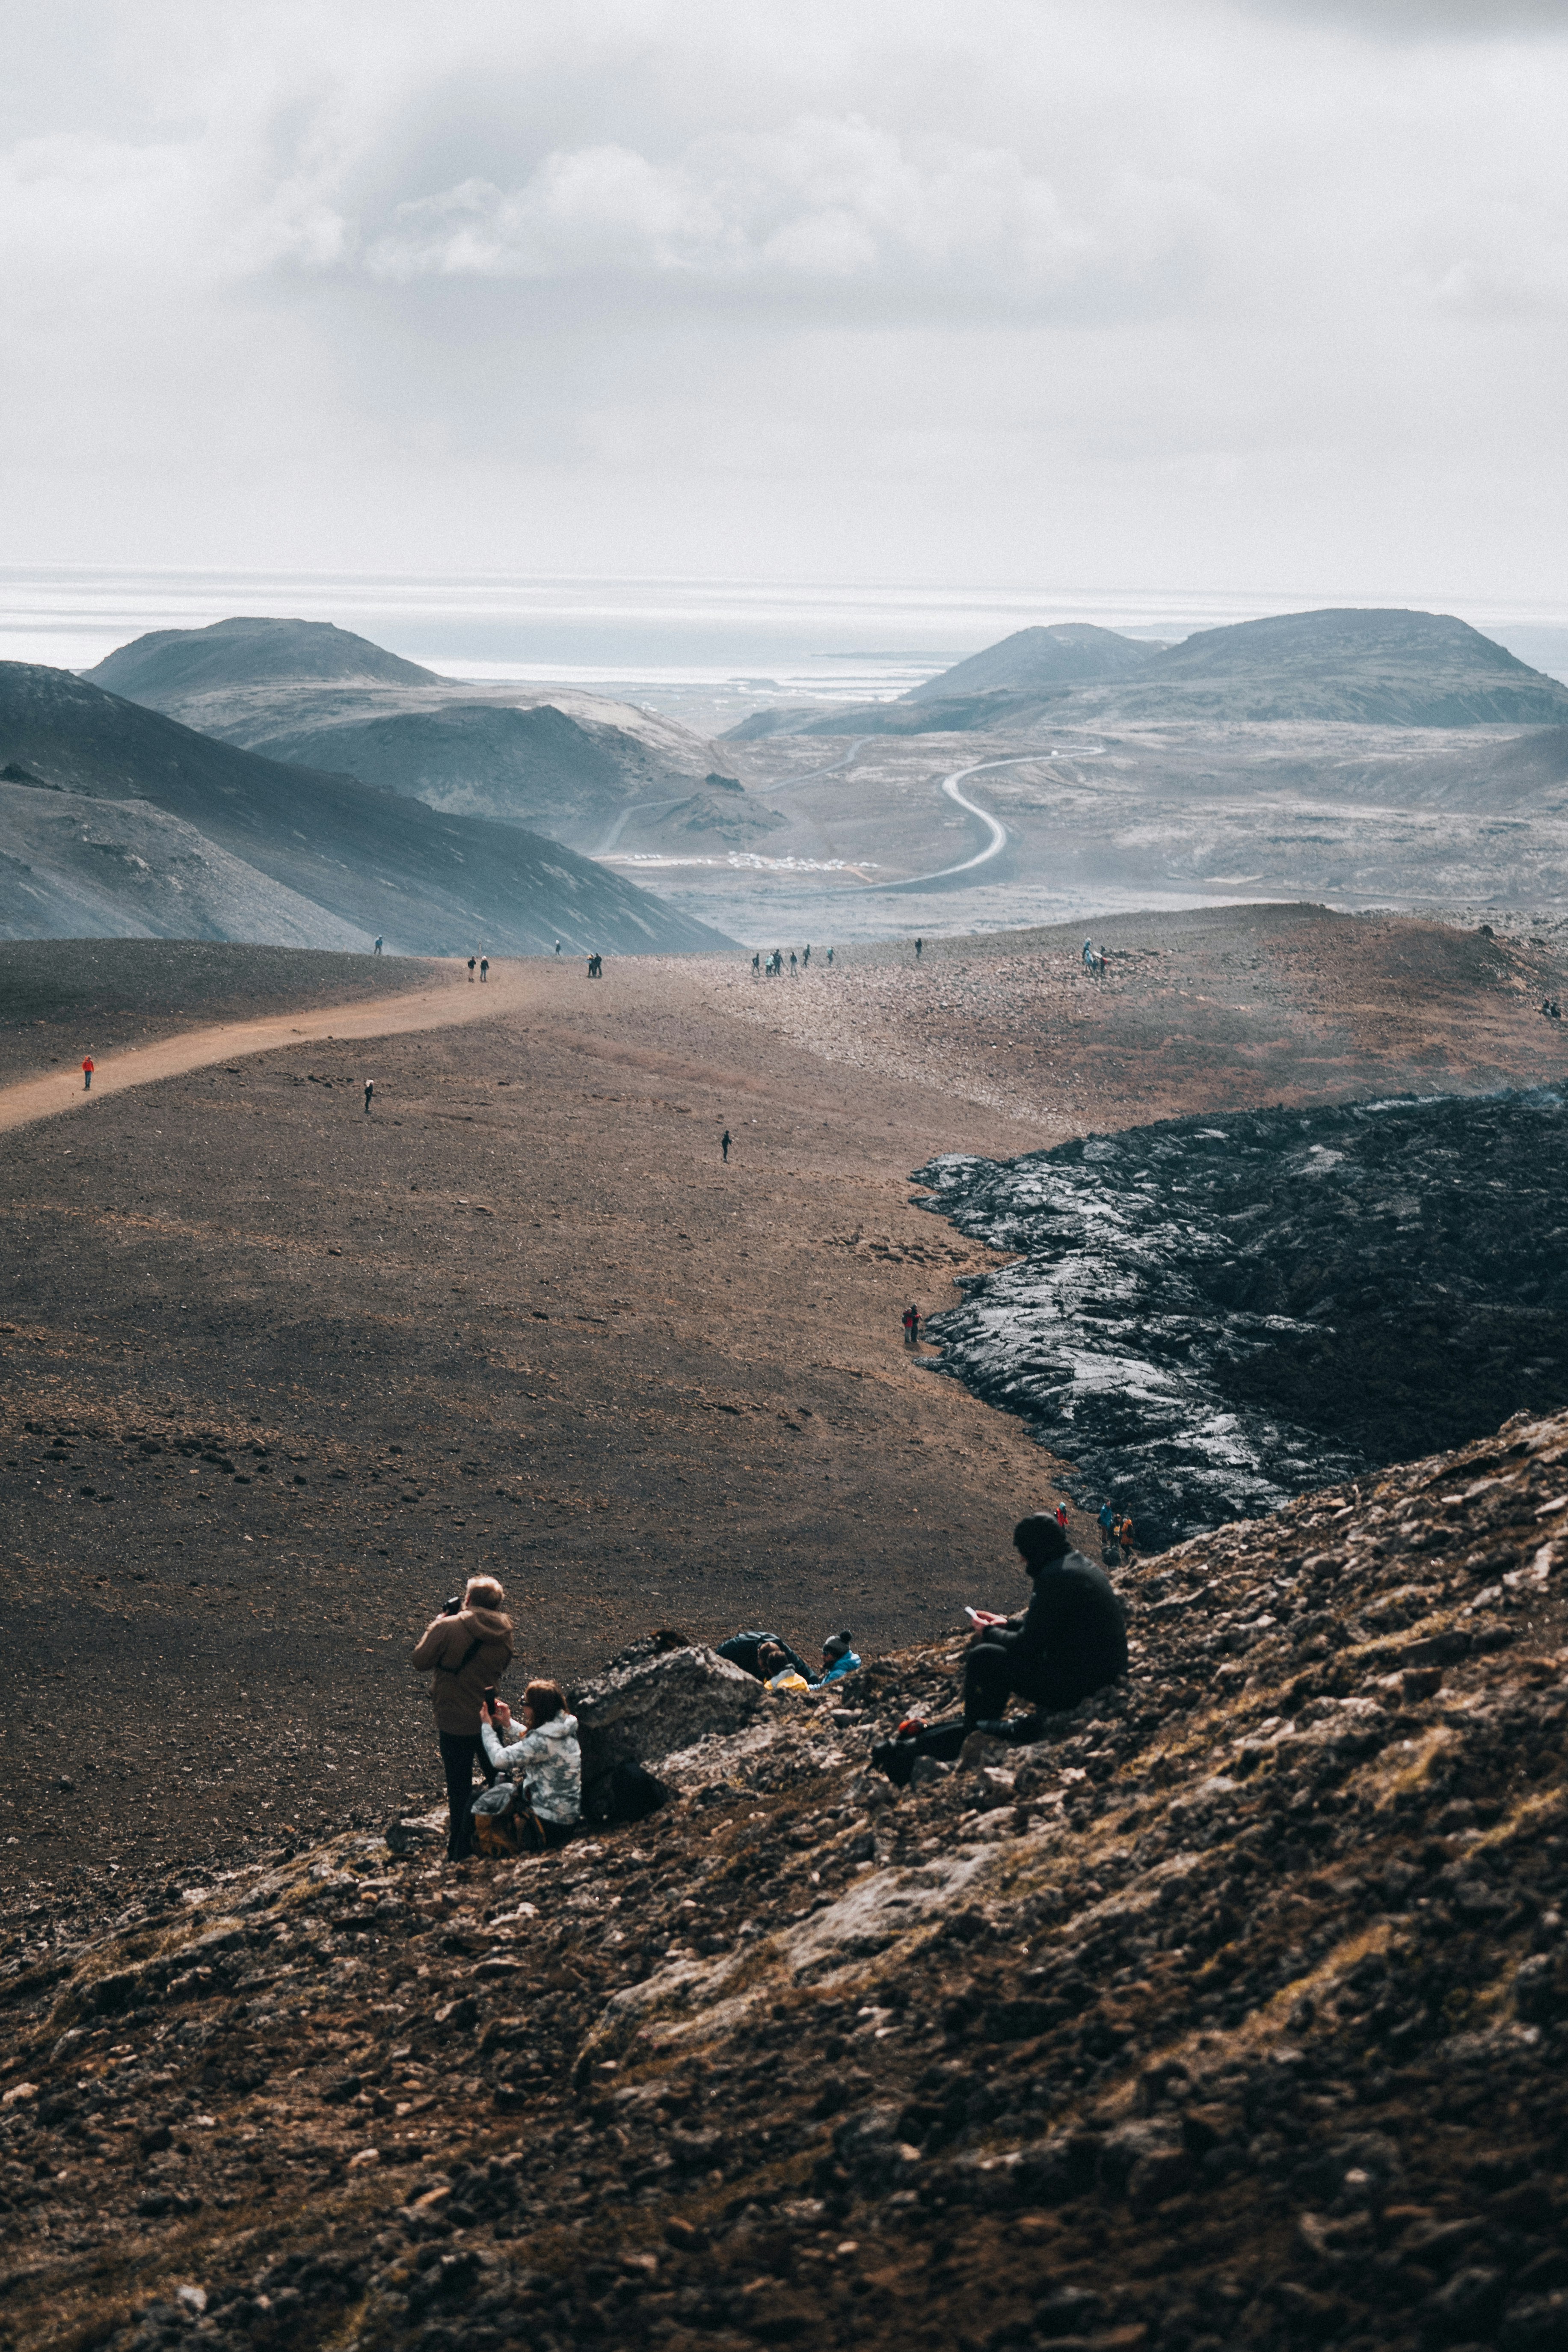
[{"x": 775, "y": 787}]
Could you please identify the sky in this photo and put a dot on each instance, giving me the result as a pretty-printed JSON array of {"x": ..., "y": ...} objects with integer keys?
[{"x": 1084, "y": 294}]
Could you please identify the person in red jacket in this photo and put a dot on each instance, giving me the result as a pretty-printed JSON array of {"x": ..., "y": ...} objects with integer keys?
[
  {"x": 912, "y": 1320},
  {"x": 87, "y": 1076}
]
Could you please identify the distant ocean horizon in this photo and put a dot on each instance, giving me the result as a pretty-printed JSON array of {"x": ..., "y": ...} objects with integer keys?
[{"x": 671, "y": 644}]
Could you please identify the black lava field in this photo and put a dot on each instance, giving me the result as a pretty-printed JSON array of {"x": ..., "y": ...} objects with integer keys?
[{"x": 1210, "y": 1315}]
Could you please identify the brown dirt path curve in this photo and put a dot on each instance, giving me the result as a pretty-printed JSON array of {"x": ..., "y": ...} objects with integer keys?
[{"x": 439, "y": 1006}]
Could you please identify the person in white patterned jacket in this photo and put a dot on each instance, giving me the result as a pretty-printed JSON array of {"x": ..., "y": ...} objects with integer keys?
[{"x": 545, "y": 1762}]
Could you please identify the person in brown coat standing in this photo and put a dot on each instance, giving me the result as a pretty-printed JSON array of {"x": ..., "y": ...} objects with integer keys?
[{"x": 465, "y": 1650}]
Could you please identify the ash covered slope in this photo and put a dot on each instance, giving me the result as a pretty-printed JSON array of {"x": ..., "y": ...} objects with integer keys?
[
  {"x": 1234, "y": 2015},
  {"x": 378, "y": 862},
  {"x": 1211, "y": 1314}
]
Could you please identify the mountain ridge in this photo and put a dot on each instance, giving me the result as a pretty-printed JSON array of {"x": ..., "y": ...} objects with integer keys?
[{"x": 381, "y": 863}]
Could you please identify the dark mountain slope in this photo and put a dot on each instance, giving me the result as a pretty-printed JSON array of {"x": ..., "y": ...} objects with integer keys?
[
  {"x": 536, "y": 767},
  {"x": 174, "y": 662},
  {"x": 432, "y": 884},
  {"x": 1065, "y": 655}
]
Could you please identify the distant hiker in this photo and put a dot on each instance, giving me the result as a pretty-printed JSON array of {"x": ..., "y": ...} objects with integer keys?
[
  {"x": 1088, "y": 955},
  {"x": 545, "y": 1763},
  {"x": 724, "y": 1146},
  {"x": 912, "y": 1321},
  {"x": 376, "y": 950},
  {"x": 557, "y": 947},
  {"x": 757, "y": 965},
  {"x": 1124, "y": 1535},
  {"x": 87, "y": 1076},
  {"x": 484, "y": 969},
  {"x": 805, "y": 956},
  {"x": 467, "y": 1650},
  {"x": 369, "y": 1090},
  {"x": 794, "y": 965},
  {"x": 830, "y": 955},
  {"x": 1110, "y": 1543},
  {"x": 1062, "y": 1517},
  {"x": 472, "y": 960},
  {"x": 1071, "y": 1640},
  {"x": 918, "y": 945},
  {"x": 596, "y": 967}
]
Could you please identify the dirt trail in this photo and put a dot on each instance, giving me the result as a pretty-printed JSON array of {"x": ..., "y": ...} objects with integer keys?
[{"x": 439, "y": 1006}]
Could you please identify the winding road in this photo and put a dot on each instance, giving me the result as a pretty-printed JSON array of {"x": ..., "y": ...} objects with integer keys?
[{"x": 952, "y": 787}]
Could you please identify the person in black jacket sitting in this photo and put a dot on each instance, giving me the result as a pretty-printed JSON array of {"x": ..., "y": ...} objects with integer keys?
[{"x": 1071, "y": 1640}]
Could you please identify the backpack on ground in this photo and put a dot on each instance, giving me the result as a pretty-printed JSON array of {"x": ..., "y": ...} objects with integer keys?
[
  {"x": 944, "y": 1741},
  {"x": 896, "y": 1756},
  {"x": 633, "y": 1793},
  {"x": 505, "y": 1824}
]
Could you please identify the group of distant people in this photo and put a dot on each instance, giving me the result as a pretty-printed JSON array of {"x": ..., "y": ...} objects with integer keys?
[
  {"x": 1550, "y": 1009},
  {"x": 1069, "y": 1642},
  {"x": 531, "y": 1800},
  {"x": 772, "y": 967},
  {"x": 484, "y": 967}
]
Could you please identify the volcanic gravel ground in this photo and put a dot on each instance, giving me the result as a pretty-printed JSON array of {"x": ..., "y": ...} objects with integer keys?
[
  {"x": 60, "y": 999},
  {"x": 1210, "y": 1315},
  {"x": 1234, "y": 2014},
  {"x": 279, "y": 1376},
  {"x": 1222, "y": 1008}
]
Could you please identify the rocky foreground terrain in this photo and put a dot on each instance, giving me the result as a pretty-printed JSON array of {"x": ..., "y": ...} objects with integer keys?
[{"x": 1234, "y": 2013}]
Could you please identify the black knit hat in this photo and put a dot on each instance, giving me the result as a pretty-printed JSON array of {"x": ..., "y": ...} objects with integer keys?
[{"x": 1040, "y": 1539}]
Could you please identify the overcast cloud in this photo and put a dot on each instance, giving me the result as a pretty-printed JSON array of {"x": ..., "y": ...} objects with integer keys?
[{"x": 1081, "y": 292}]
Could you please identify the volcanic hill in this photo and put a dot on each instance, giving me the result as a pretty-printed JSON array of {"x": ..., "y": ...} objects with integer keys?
[
  {"x": 1373, "y": 667},
  {"x": 569, "y": 764},
  {"x": 1232, "y": 2016},
  {"x": 132, "y": 823},
  {"x": 168, "y": 665},
  {"x": 1066, "y": 654}
]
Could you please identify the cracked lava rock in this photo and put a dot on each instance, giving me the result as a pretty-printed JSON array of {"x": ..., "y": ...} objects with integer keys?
[{"x": 1213, "y": 1313}]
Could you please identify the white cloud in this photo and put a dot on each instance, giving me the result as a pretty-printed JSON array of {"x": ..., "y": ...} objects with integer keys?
[
  {"x": 1120, "y": 289},
  {"x": 822, "y": 203}
]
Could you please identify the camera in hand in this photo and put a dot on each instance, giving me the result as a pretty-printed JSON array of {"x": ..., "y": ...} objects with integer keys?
[
  {"x": 450, "y": 1607},
  {"x": 489, "y": 1696}
]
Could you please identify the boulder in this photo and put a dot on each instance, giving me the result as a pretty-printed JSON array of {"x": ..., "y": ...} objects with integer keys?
[{"x": 655, "y": 1708}]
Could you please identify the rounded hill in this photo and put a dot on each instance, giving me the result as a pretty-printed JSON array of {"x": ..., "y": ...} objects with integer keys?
[{"x": 249, "y": 652}]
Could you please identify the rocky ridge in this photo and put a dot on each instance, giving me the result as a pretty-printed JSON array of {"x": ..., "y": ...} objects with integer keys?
[{"x": 1233, "y": 2014}]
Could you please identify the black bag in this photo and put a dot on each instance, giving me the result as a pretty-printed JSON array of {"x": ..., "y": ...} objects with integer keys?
[
  {"x": 944, "y": 1741},
  {"x": 633, "y": 1793},
  {"x": 896, "y": 1756}
]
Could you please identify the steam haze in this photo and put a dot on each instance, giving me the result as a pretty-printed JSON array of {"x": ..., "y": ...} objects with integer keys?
[{"x": 1072, "y": 294}]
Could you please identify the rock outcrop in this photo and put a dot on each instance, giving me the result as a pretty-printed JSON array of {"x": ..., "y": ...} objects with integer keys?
[
  {"x": 1232, "y": 2018},
  {"x": 655, "y": 1708}
]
